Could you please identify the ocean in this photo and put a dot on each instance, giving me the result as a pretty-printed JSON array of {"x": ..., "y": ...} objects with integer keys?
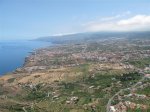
[{"x": 13, "y": 53}]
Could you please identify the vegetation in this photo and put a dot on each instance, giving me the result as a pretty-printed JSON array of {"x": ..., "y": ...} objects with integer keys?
[{"x": 141, "y": 63}]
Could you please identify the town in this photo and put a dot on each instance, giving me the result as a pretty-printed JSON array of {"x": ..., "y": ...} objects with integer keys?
[{"x": 95, "y": 76}]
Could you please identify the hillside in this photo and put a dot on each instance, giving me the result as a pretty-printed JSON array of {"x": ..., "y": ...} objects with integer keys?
[
  {"x": 94, "y": 76},
  {"x": 93, "y": 36}
]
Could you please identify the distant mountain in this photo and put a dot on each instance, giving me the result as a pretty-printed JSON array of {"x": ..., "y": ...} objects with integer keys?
[{"x": 85, "y": 37}]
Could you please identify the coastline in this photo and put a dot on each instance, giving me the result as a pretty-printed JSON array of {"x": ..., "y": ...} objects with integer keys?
[{"x": 15, "y": 54}]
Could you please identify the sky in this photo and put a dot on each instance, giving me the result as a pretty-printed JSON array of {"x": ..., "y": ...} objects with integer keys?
[{"x": 28, "y": 19}]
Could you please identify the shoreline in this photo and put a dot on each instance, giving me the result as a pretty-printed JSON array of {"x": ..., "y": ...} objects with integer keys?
[{"x": 20, "y": 55}]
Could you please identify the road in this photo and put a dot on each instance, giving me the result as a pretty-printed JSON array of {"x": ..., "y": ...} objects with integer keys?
[{"x": 110, "y": 100}]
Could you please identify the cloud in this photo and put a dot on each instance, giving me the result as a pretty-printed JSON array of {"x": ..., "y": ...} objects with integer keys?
[
  {"x": 135, "y": 23},
  {"x": 109, "y": 18},
  {"x": 137, "y": 20},
  {"x": 116, "y": 16}
]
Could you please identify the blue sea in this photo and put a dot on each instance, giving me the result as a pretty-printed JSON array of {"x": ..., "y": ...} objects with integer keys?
[{"x": 13, "y": 53}]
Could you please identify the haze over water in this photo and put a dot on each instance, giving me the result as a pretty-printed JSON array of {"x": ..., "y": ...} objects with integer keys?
[{"x": 13, "y": 53}]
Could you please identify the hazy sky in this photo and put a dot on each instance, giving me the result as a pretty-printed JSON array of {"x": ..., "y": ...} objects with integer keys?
[{"x": 35, "y": 18}]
